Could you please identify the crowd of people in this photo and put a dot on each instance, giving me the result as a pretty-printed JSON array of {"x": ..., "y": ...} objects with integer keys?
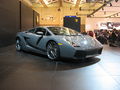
[{"x": 111, "y": 37}]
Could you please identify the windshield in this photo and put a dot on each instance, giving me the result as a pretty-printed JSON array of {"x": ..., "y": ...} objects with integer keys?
[{"x": 63, "y": 31}]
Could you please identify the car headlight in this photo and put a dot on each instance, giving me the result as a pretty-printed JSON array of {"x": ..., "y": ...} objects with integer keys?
[{"x": 71, "y": 43}]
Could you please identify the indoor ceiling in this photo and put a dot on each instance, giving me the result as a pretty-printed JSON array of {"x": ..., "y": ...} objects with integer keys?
[
  {"x": 65, "y": 3},
  {"x": 110, "y": 10},
  {"x": 90, "y": 8}
]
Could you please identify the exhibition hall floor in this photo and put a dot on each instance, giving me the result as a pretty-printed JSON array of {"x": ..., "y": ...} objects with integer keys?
[{"x": 28, "y": 71}]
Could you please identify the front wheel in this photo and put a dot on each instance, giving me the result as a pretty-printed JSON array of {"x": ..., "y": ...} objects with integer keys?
[{"x": 53, "y": 51}]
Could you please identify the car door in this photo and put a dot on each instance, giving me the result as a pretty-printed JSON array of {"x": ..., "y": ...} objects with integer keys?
[{"x": 34, "y": 38}]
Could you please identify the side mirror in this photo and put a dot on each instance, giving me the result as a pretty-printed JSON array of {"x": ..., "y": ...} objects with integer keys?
[{"x": 39, "y": 33}]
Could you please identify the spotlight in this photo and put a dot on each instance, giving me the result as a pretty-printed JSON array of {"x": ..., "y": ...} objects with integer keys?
[
  {"x": 59, "y": 9},
  {"x": 104, "y": 1},
  {"x": 89, "y": 16},
  {"x": 117, "y": 14},
  {"x": 76, "y": 13},
  {"x": 104, "y": 12},
  {"x": 110, "y": 4},
  {"x": 80, "y": 8},
  {"x": 102, "y": 8}
]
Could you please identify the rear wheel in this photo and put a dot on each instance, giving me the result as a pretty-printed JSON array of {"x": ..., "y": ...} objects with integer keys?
[
  {"x": 53, "y": 51},
  {"x": 18, "y": 44}
]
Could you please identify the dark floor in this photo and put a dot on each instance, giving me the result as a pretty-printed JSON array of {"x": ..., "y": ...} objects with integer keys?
[{"x": 26, "y": 71}]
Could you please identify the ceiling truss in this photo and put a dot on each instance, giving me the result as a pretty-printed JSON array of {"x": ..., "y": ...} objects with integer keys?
[
  {"x": 77, "y": 3},
  {"x": 105, "y": 3},
  {"x": 61, "y": 3},
  {"x": 43, "y": 3}
]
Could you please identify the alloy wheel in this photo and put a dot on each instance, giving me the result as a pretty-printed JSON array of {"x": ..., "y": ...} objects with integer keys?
[{"x": 53, "y": 51}]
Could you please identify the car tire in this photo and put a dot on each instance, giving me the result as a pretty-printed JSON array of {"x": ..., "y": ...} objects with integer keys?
[
  {"x": 18, "y": 45},
  {"x": 53, "y": 51}
]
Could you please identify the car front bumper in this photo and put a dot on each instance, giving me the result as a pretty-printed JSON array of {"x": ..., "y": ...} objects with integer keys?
[{"x": 82, "y": 54}]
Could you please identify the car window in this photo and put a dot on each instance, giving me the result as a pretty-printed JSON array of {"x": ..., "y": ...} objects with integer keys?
[
  {"x": 47, "y": 33},
  {"x": 32, "y": 31},
  {"x": 63, "y": 31},
  {"x": 40, "y": 30}
]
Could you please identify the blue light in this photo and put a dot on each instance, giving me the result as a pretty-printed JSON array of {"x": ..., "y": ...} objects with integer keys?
[{"x": 70, "y": 16}]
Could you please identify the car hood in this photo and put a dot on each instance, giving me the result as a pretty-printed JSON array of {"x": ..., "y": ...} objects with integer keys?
[{"x": 83, "y": 41}]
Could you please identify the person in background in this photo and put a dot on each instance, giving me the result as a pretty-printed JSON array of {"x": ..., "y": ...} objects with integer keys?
[
  {"x": 91, "y": 33},
  {"x": 112, "y": 38},
  {"x": 100, "y": 36}
]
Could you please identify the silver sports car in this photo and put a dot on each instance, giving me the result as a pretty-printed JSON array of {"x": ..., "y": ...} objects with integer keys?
[{"x": 56, "y": 42}]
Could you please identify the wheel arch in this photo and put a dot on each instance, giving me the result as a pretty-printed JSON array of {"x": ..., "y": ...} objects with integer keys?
[
  {"x": 21, "y": 38},
  {"x": 59, "y": 54},
  {"x": 23, "y": 43},
  {"x": 18, "y": 37},
  {"x": 51, "y": 41}
]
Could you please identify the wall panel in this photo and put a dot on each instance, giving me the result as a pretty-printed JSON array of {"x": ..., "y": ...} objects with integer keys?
[
  {"x": 26, "y": 17},
  {"x": 10, "y": 20}
]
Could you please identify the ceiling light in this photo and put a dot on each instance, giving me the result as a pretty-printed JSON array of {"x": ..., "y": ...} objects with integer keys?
[
  {"x": 59, "y": 9},
  {"x": 104, "y": 12},
  {"x": 46, "y": 2},
  {"x": 76, "y": 13}
]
